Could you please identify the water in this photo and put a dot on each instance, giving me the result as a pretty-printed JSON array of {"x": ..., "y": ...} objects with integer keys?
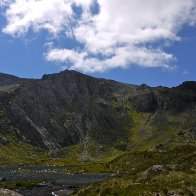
[{"x": 54, "y": 174}]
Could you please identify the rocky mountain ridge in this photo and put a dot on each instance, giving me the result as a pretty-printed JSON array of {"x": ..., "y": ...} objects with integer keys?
[{"x": 69, "y": 108}]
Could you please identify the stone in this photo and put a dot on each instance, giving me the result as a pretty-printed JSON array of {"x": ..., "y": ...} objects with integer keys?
[
  {"x": 6, "y": 192},
  {"x": 3, "y": 179},
  {"x": 4, "y": 140},
  {"x": 63, "y": 109},
  {"x": 156, "y": 170}
]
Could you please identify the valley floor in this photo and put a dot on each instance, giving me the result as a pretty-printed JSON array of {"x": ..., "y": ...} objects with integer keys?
[{"x": 166, "y": 171}]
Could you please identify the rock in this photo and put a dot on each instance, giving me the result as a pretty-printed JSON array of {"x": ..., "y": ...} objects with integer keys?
[
  {"x": 122, "y": 147},
  {"x": 63, "y": 192},
  {"x": 144, "y": 99},
  {"x": 7, "y": 80},
  {"x": 4, "y": 140},
  {"x": 156, "y": 194},
  {"x": 175, "y": 193},
  {"x": 63, "y": 109},
  {"x": 161, "y": 147},
  {"x": 6, "y": 192},
  {"x": 156, "y": 170},
  {"x": 3, "y": 179}
]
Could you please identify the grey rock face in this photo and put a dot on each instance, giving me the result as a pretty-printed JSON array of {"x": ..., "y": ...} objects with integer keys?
[
  {"x": 6, "y": 80},
  {"x": 6, "y": 192},
  {"x": 63, "y": 109},
  {"x": 144, "y": 99}
]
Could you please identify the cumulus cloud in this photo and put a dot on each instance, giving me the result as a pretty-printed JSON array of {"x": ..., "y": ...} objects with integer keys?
[
  {"x": 119, "y": 34},
  {"x": 121, "y": 58},
  {"x": 23, "y": 15},
  {"x": 5, "y": 2}
]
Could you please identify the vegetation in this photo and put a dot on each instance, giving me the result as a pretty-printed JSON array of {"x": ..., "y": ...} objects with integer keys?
[
  {"x": 180, "y": 179},
  {"x": 165, "y": 184},
  {"x": 110, "y": 127},
  {"x": 19, "y": 184}
]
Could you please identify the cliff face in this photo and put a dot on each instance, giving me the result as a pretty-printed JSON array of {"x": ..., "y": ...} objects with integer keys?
[{"x": 67, "y": 108}]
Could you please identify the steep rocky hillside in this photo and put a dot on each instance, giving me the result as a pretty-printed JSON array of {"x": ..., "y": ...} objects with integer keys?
[
  {"x": 7, "y": 80},
  {"x": 70, "y": 108},
  {"x": 9, "y": 83}
]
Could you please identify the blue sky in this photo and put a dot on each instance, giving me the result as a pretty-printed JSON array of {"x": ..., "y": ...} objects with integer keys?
[{"x": 157, "y": 48}]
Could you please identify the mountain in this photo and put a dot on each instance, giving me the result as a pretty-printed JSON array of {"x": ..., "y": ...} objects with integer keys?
[
  {"x": 7, "y": 80},
  {"x": 144, "y": 136},
  {"x": 70, "y": 108}
]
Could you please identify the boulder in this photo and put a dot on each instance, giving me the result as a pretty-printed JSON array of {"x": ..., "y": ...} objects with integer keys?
[
  {"x": 6, "y": 192},
  {"x": 3, "y": 179},
  {"x": 4, "y": 140},
  {"x": 156, "y": 170}
]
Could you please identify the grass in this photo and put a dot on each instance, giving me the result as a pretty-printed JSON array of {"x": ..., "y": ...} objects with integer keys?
[
  {"x": 18, "y": 153},
  {"x": 19, "y": 184},
  {"x": 162, "y": 184},
  {"x": 129, "y": 157},
  {"x": 130, "y": 166},
  {"x": 181, "y": 179}
]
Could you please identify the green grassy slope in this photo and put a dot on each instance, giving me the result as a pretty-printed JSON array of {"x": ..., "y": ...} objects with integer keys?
[{"x": 179, "y": 179}]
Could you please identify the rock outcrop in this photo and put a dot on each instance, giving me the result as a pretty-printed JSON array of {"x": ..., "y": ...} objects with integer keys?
[
  {"x": 63, "y": 109},
  {"x": 6, "y": 192}
]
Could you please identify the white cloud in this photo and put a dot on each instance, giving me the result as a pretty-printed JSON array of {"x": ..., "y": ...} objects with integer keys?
[
  {"x": 62, "y": 55},
  {"x": 52, "y": 15},
  {"x": 121, "y": 58},
  {"x": 122, "y": 33},
  {"x": 135, "y": 22},
  {"x": 44, "y": 14},
  {"x": 5, "y": 2}
]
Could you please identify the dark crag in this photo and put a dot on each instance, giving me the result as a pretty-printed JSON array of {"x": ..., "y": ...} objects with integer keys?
[{"x": 70, "y": 108}]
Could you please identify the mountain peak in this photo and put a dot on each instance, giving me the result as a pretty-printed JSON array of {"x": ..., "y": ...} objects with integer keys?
[{"x": 61, "y": 109}]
